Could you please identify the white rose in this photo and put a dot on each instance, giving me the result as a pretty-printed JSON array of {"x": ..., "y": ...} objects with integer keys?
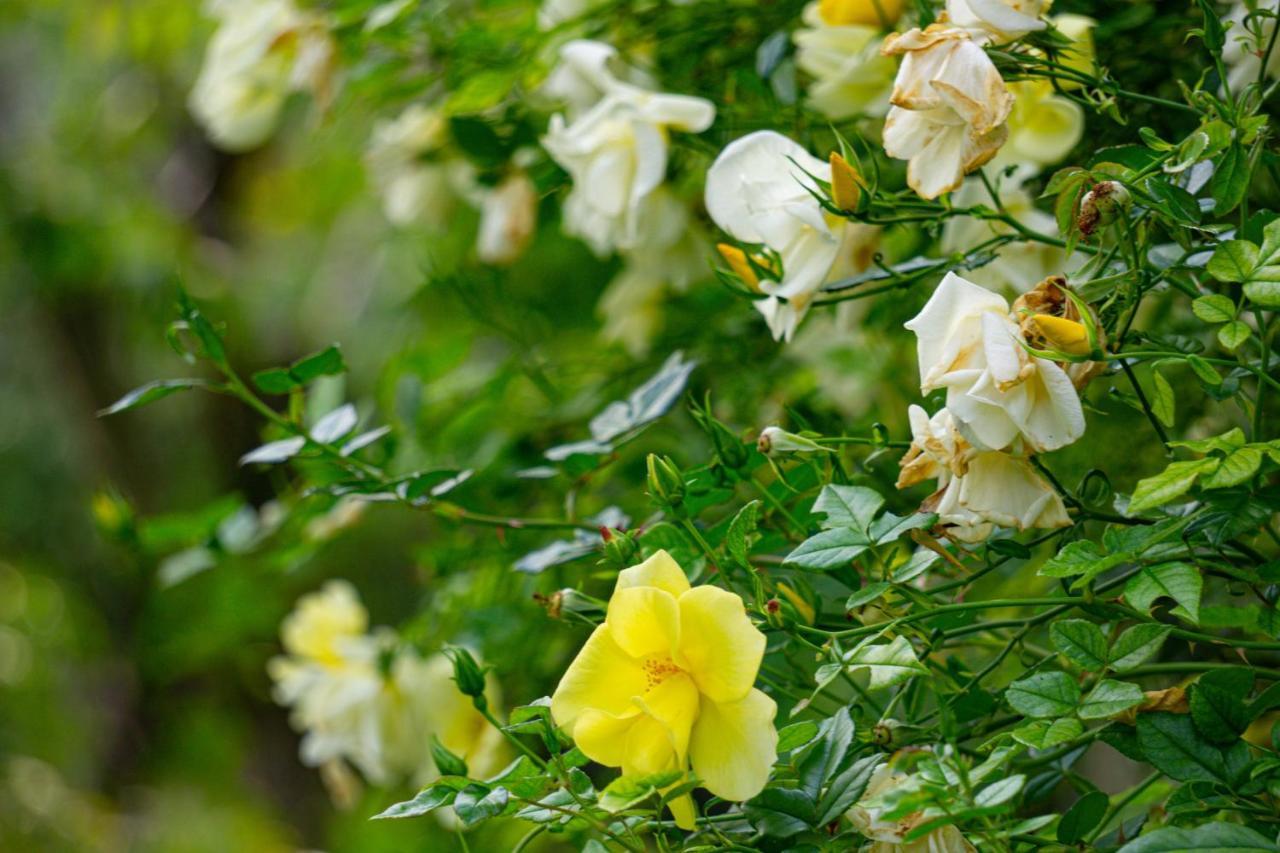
[
  {"x": 889, "y": 836},
  {"x": 758, "y": 192},
  {"x": 850, "y": 76},
  {"x": 968, "y": 343},
  {"x": 508, "y": 218},
  {"x": 262, "y": 51},
  {"x": 616, "y": 154},
  {"x": 949, "y": 108},
  {"x": 997, "y": 21}
]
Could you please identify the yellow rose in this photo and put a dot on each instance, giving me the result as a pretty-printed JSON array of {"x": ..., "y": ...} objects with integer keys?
[
  {"x": 867, "y": 13},
  {"x": 666, "y": 683},
  {"x": 323, "y": 621}
]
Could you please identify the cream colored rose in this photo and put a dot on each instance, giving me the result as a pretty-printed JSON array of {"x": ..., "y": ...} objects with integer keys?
[
  {"x": 949, "y": 108},
  {"x": 997, "y": 21},
  {"x": 262, "y": 51},
  {"x": 976, "y": 489},
  {"x": 420, "y": 181},
  {"x": 850, "y": 76},
  {"x": 759, "y": 191},
  {"x": 616, "y": 154},
  {"x": 508, "y": 218},
  {"x": 888, "y": 836},
  {"x": 968, "y": 343}
]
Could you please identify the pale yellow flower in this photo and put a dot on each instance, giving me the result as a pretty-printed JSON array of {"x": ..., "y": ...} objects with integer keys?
[
  {"x": 1081, "y": 54},
  {"x": 420, "y": 181},
  {"x": 850, "y": 76},
  {"x": 667, "y": 683},
  {"x": 870, "y": 13},
  {"x": 1043, "y": 126}
]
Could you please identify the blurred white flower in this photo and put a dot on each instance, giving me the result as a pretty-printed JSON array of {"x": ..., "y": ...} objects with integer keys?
[
  {"x": 1043, "y": 126},
  {"x": 759, "y": 191},
  {"x": 997, "y": 21},
  {"x": 889, "y": 836},
  {"x": 419, "y": 180},
  {"x": 1241, "y": 51},
  {"x": 553, "y": 13},
  {"x": 616, "y": 154},
  {"x": 262, "y": 51},
  {"x": 508, "y": 219},
  {"x": 976, "y": 489},
  {"x": 949, "y": 108},
  {"x": 850, "y": 76},
  {"x": 1018, "y": 262},
  {"x": 968, "y": 342},
  {"x": 358, "y": 698}
]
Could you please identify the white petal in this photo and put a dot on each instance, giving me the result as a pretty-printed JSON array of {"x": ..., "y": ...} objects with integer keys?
[{"x": 949, "y": 326}]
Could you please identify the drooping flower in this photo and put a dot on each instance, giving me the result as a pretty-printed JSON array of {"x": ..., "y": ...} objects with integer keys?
[
  {"x": 666, "y": 682},
  {"x": 353, "y": 706},
  {"x": 976, "y": 489},
  {"x": 616, "y": 154},
  {"x": 759, "y": 191},
  {"x": 968, "y": 342},
  {"x": 997, "y": 21},
  {"x": 421, "y": 182},
  {"x": 949, "y": 107},
  {"x": 889, "y": 836},
  {"x": 508, "y": 218},
  {"x": 842, "y": 55},
  {"x": 262, "y": 51}
]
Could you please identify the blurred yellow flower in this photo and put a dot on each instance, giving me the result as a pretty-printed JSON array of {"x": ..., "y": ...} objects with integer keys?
[
  {"x": 870, "y": 13},
  {"x": 1081, "y": 55},
  {"x": 666, "y": 683},
  {"x": 850, "y": 76},
  {"x": 1043, "y": 125}
]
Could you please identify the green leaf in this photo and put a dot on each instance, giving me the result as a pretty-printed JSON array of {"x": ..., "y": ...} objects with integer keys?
[
  {"x": 1173, "y": 482},
  {"x": 1083, "y": 558},
  {"x": 1171, "y": 744},
  {"x": 867, "y": 594},
  {"x": 820, "y": 763},
  {"x": 1045, "y": 694},
  {"x": 1230, "y": 179},
  {"x": 889, "y": 663},
  {"x": 848, "y": 506},
  {"x": 889, "y": 527},
  {"x": 743, "y": 526},
  {"x": 1109, "y": 698},
  {"x": 149, "y": 393},
  {"x": 1218, "y": 706},
  {"x": 480, "y": 91},
  {"x": 1178, "y": 204},
  {"x": 781, "y": 812},
  {"x": 625, "y": 791},
  {"x": 1264, "y": 294},
  {"x": 1214, "y": 308},
  {"x": 1227, "y": 442},
  {"x": 439, "y": 793},
  {"x": 1043, "y": 734},
  {"x": 1234, "y": 334},
  {"x": 830, "y": 549},
  {"x": 1204, "y": 370},
  {"x": 327, "y": 362},
  {"x": 1081, "y": 641},
  {"x": 1137, "y": 645},
  {"x": 999, "y": 792},
  {"x": 1209, "y": 838},
  {"x": 796, "y": 735},
  {"x": 1179, "y": 581},
  {"x": 1233, "y": 261},
  {"x": 1234, "y": 469},
  {"x": 1083, "y": 816},
  {"x": 846, "y": 787},
  {"x": 476, "y": 803},
  {"x": 1162, "y": 398},
  {"x": 275, "y": 380}
]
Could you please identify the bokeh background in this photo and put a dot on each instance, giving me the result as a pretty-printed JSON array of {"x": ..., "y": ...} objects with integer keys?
[{"x": 135, "y": 704}]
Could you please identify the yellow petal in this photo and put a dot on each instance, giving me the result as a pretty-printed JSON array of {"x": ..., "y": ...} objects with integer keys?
[
  {"x": 660, "y": 570},
  {"x": 682, "y": 809},
  {"x": 846, "y": 187},
  {"x": 737, "y": 261},
  {"x": 658, "y": 739},
  {"x": 602, "y": 737},
  {"x": 602, "y": 676},
  {"x": 1063, "y": 335},
  {"x": 719, "y": 646},
  {"x": 734, "y": 746},
  {"x": 644, "y": 621}
]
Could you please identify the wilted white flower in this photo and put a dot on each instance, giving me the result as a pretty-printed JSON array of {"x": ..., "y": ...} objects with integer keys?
[
  {"x": 508, "y": 218},
  {"x": 969, "y": 343},
  {"x": 850, "y": 75},
  {"x": 997, "y": 21},
  {"x": 262, "y": 51},
  {"x": 420, "y": 181},
  {"x": 949, "y": 108},
  {"x": 759, "y": 191},
  {"x": 889, "y": 836},
  {"x": 352, "y": 707},
  {"x": 616, "y": 154},
  {"x": 976, "y": 489}
]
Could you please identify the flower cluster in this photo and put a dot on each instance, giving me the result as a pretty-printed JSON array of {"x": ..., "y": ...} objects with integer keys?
[{"x": 360, "y": 698}]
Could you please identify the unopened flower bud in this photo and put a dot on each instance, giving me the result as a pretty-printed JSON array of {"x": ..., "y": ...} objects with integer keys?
[
  {"x": 468, "y": 675},
  {"x": 620, "y": 549},
  {"x": 846, "y": 184},
  {"x": 666, "y": 483},
  {"x": 1063, "y": 335},
  {"x": 1102, "y": 205},
  {"x": 446, "y": 762},
  {"x": 776, "y": 440},
  {"x": 737, "y": 261}
]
